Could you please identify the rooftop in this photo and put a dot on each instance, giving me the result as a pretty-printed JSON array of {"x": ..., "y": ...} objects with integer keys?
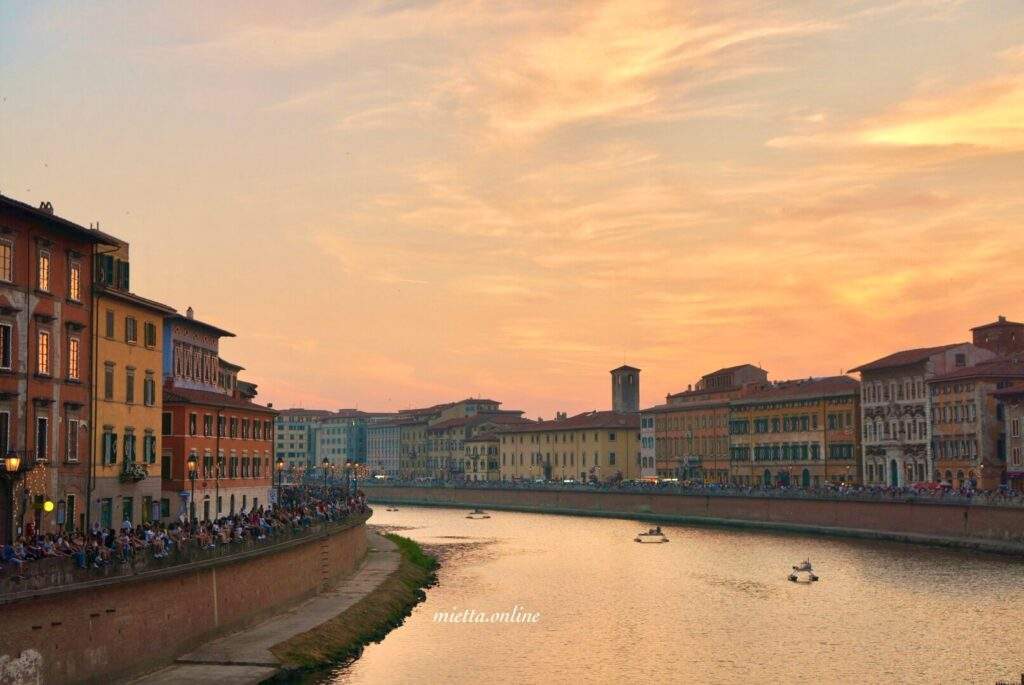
[
  {"x": 135, "y": 299},
  {"x": 208, "y": 327},
  {"x": 211, "y": 399},
  {"x": 1000, "y": 321},
  {"x": 590, "y": 419},
  {"x": 1004, "y": 367},
  {"x": 60, "y": 223},
  {"x": 685, "y": 406},
  {"x": 807, "y": 388},
  {"x": 904, "y": 358}
]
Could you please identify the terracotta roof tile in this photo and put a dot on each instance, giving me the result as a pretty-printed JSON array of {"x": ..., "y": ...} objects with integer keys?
[
  {"x": 904, "y": 358},
  {"x": 828, "y": 386},
  {"x": 213, "y": 399}
]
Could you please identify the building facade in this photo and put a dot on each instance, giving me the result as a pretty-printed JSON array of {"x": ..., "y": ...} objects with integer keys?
[
  {"x": 600, "y": 446},
  {"x": 691, "y": 430},
  {"x": 801, "y": 433},
  {"x": 896, "y": 411},
  {"x": 480, "y": 457},
  {"x": 1004, "y": 338},
  {"x": 230, "y": 437},
  {"x": 383, "y": 446},
  {"x": 1011, "y": 403},
  {"x": 341, "y": 437},
  {"x": 296, "y": 436},
  {"x": 127, "y": 398},
  {"x": 46, "y": 367},
  {"x": 968, "y": 424}
]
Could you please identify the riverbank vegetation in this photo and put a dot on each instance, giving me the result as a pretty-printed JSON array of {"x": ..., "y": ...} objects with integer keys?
[{"x": 343, "y": 638}]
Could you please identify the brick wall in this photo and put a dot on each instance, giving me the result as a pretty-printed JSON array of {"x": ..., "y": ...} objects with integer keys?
[
  {"x": 124, "y": 628},
  {"x": 957, "y": 522}
]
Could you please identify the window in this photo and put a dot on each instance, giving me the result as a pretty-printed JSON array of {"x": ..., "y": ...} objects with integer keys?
[
  {"x": 129, "y": 445},
  {"x": 6, "y": 260},
  {"x": 73, "y": 358},
  {"x": 166, "y": 424},
  {"x": 149, "y": 448},
  {"x": 43, "y": 272},
  {"x": 109, "y": 324},
  {"x": 43, "y": 353},
  {"x": 191, "y": 424},
  {"x": 72, "y": 451},
  {"x": 961, "y": 359},
  {"x": 149, "y": 330},
  {"x": 109, "y": 446},
  {"x": 129, "y": 385},
  {"x": 108, "y": 380},
  {"x": 131, "y": 329},
  {"x": 149, "y": 390},
  {"x": 42, "y": 435},
  {"x": 6, "y": 332},
  {"x": 75, "y": 280},
  {"x": 5, "y": 431},
  {"x": 207, "y": 425}
]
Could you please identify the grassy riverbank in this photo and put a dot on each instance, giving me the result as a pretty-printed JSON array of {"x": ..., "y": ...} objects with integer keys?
[{"x": 343, "y": 638}]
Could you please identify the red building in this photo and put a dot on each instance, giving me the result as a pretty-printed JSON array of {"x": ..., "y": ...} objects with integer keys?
[
  {"x": 209, "y": 415},
  {"x": 46, "y": 316}
]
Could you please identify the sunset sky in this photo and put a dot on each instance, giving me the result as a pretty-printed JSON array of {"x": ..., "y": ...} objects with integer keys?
[{"x": 401, "y": 203}]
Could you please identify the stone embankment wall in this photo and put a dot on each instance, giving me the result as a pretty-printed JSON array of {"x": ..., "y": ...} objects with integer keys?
[
  {"x": 993, "y": 528},
  {"x": 115, "y": 628}
]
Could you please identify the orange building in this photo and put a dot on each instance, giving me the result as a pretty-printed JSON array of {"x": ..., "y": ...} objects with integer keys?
[
  {"x": 688, "y": 436},
  {"x": 209, "y": 415},
  {"x": 968, "y": 426},
  {"x": 46, "y": 369}
]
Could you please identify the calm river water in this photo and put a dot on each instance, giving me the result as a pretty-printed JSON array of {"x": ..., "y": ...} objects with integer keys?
[{"x": 713, "y": 605}]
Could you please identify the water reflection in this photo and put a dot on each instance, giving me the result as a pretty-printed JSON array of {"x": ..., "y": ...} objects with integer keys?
[{"x": 713, "y": 605}]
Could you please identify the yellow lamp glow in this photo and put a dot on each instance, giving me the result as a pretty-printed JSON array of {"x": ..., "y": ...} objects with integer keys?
[
  {"x": 47, "y": 506},
  {"x": 12, "y": 462}
]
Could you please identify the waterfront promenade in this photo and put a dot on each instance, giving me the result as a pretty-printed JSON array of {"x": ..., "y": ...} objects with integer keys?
[{"x": 246, "y": 656}]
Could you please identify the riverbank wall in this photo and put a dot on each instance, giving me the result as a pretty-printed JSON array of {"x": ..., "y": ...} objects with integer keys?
[
  {"x": 110, "y": 629},
  {"x": 985, "y": 528}
]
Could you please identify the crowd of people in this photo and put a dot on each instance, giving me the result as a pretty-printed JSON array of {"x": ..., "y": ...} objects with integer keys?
[
  {"x": 931, "y": 492},
  {"x": 299, "y": 508}
]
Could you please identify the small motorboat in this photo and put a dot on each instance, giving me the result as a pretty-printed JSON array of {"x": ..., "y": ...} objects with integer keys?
[
  {"x": 803, "y": 570},
  {"x": 478, "y": 514},
  {"x": 652, "y": 536},
  {"x": 391, "y": 509}
]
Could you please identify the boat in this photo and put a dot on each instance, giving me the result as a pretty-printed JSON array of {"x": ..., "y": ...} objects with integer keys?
[
  {"x": 391, "y": 509},
  {"x": 804, "y": 568},
  {"x": 652, "y": 536},
  {"x": 478, "y": 514}
]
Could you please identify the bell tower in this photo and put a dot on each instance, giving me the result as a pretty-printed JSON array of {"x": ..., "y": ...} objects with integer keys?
[{"x": 626, "y": 389}]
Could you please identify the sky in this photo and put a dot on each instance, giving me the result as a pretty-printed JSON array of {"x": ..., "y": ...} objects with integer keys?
[{"x": 394, "y": 204}]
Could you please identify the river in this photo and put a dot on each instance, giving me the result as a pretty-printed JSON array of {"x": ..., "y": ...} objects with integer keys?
[{"x": 713, "y": 605}]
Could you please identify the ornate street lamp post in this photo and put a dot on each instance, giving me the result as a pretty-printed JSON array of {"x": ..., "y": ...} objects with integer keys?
[
  {"x": 333, "y": 466},
  {"x": 12, "y": 465},
  {"x": 348, "y": 478},
  {"x": 326, "y": 465},
  {"x": 192, "y": 466},
  {"x": 279, "y": 465}
]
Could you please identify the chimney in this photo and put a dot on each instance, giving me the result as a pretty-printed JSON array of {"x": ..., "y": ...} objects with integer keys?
[
  {"x": 270, "y": 405},
  {"x": 1002, "y": 319},
  {"x": 46, "y": 207},
  {"x": 189, "y": 313}
]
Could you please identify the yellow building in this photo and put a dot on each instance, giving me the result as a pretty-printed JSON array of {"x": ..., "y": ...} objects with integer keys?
[
  {"x": 127, "y": 400},
  {"x": 797, "y": 433},
  {"x": 480, "y": 457},
  {"x": 597, "y": 445}
]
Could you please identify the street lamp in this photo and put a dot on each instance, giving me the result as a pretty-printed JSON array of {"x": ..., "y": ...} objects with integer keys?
[
  {"x": 333, "y": 466},
  {"x": 326, "y": 465},
  {"x": 279, "y": 465},
  {"x": 12, "y": 463},
  {"x": 192, "y": 465},
  {"x": 348, "y": 478}
]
